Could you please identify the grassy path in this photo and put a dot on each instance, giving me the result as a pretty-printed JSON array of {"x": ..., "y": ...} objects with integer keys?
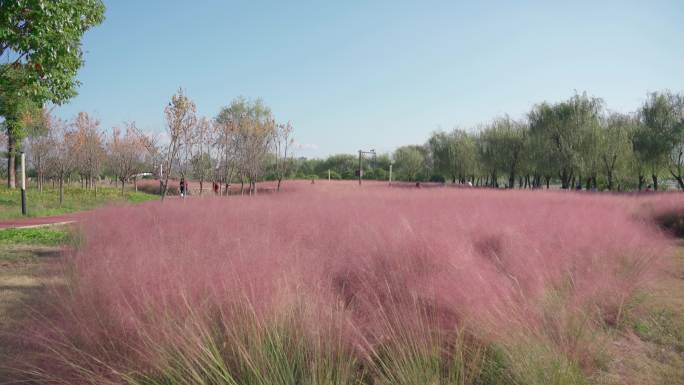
[{"x": 76, "y": 199}]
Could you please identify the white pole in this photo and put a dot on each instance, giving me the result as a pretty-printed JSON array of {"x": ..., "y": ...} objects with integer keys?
[
  {"x": 328, "y": 175},
  {"x": 23, "y": 184},
  {"x": 23, "y": 171},
  {"x": 390, "y": 178}
]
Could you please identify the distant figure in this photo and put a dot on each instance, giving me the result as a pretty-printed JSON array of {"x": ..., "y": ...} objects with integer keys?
[
  {"x": 417, "y": 184},
  {"x": 215, "y": 187},
  {"x": 182, "y": 187},
  {"x": 649, "y": 188},
  {"x": 579, "y": 186},
  {"x": 312, "y": 181}
]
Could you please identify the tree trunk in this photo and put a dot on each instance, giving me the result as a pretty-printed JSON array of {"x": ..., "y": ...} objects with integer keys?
[
  {"x": 123, "y": 183},
  {"x": 655, "y": 182},
  {"x": 642, "y": 180},
  {"x": 610, "y": 180},
  {"x": 680, "y": 182},
  {"x": 61, "y": 190},
  {"x": 564, "y": 180},
  {"x": 11, "y": 162},
  {"x": 278, "y": 187}
]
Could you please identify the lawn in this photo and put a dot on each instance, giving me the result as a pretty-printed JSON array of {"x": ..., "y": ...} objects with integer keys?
[
  {"x": 37, "y": 236},
  {"x": 46, "y": 203}
]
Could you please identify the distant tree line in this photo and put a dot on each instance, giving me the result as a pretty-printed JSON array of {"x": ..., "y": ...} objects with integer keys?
[
  {"x": 240, "y": 145},
  {"x": 575, "y": 143}
]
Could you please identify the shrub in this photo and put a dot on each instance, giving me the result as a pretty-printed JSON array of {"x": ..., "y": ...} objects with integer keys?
[{"x": 437, "y": 178}]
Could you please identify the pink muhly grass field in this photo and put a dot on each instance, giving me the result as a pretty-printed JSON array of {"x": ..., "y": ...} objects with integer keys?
[{"x": 332, "y": 283}]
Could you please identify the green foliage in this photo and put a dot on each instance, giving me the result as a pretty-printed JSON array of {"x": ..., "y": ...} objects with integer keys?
[
  {"x": 559, "y": 132},
  {"x": 43, "y": 38},
  {"x": 410, "y": 162},
  {"x": 44, "y": 236},
  {"x": 453, "y": 154},
  {"x": 75, "y": 199},
  {"x": 502, "y": 147}
]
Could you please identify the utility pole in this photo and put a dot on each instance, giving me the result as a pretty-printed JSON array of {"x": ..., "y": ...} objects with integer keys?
[
  {"x": 361, "y": 153},
  {"x": 390, "y": 178},
  {"x": 360, "y": 169},
  {"x": 23, "y": 184},
  {"x": 328, "y": 175}
]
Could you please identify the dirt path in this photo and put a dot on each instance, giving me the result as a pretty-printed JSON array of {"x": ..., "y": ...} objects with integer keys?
[
  {"x": 42, "y": 221},
  {"x": 24, "y": 273}
]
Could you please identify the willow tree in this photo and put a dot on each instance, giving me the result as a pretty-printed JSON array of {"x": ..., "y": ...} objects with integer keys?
[
  {"x": 453, "y": 154},
  {"x": 614, "y": 145},
  {"x": 660, "y": 132},
  {"x": 410, "y": 161},
  {"x": 503, "y": 145},
  {"x": 560, "y": 129}
]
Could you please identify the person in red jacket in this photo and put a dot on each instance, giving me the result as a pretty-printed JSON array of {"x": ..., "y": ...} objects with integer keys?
[{"x": 182, "y": 187}]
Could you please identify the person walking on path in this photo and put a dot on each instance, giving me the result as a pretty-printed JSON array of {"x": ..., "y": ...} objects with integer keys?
[{"x": 182, "y": 187}]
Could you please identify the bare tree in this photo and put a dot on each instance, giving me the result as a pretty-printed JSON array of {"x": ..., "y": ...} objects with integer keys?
[
  {"x": 281, "y": 145},
  {"x": 62, "y": 158},
  {"x": 226, "y": 144},
  {"x": 39, "y": 146},
  {"x": 89, "y": 149},
  {"x": 125, "y": 153},
  {"x": 256, "y": 141},
  {"x": 180, "y": 119},
  {"x": 200, "y": 158}
]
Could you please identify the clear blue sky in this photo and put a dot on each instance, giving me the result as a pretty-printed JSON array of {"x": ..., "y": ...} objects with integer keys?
[{"x": 372, "y": 74}]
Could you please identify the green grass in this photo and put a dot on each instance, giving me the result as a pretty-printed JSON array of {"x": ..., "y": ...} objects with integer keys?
[
  {"x": 42, "y": 236},
  {"x": 46, "y": 203}
]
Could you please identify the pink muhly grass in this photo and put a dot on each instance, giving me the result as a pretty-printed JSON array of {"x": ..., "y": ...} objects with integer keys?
[{"x": 366, "y": 279}]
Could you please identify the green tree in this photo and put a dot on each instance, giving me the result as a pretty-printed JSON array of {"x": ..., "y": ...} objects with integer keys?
[
  {"x": 410, "y": 161},
  {"x": 559, "y": 129},
  {"x": 42, "y": 38},
  {"x": 502, "y": 147},
  {"x": 614, "y": 145},
  {"x": 660, "y": 132},
  {"x": 453, "y": 154}
]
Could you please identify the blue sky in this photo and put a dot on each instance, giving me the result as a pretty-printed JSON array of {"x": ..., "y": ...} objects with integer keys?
[{"x": 375, "y": 74}]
